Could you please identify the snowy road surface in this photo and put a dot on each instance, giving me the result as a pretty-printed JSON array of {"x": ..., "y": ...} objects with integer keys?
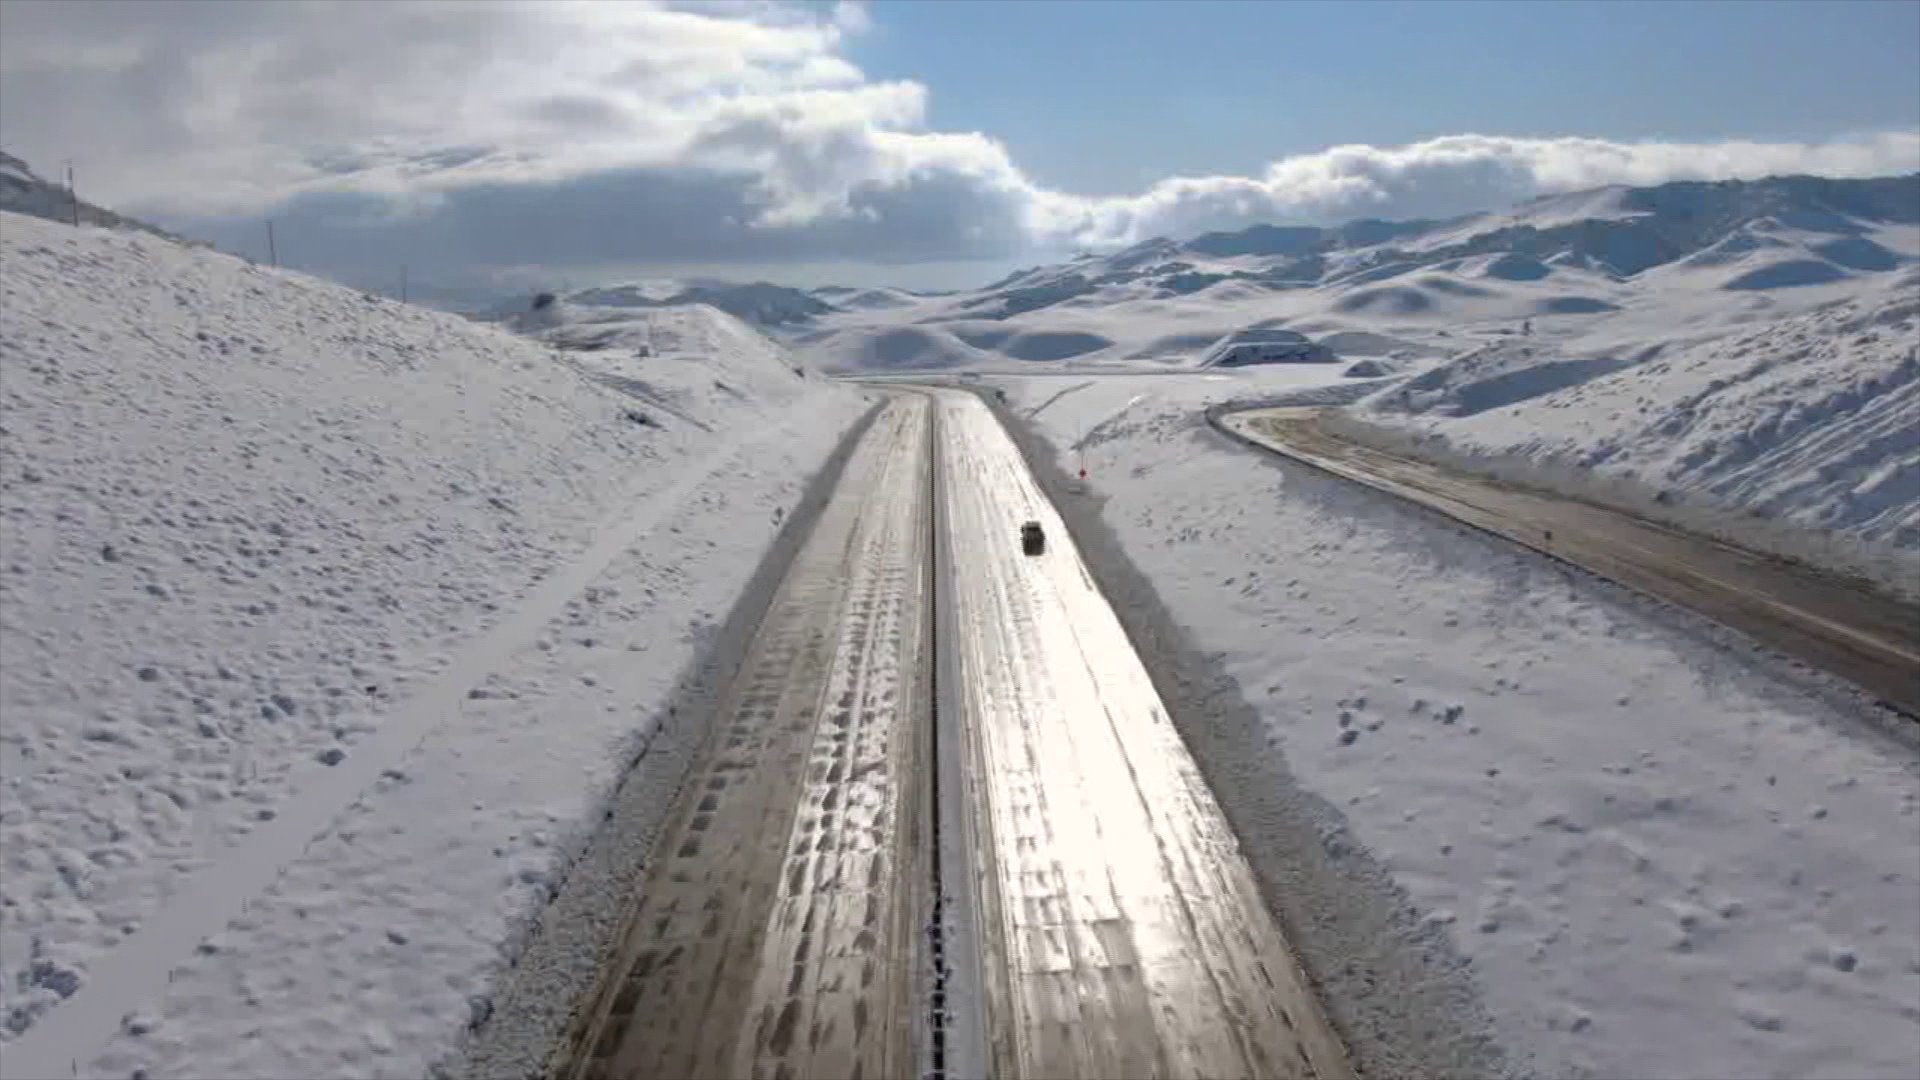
[
  {"x": 1124, "y": 932},
  {"x": 776, "y": 933},
  {"x": 1867, "y": 639},
  {"x": 1109, "y": 923}
]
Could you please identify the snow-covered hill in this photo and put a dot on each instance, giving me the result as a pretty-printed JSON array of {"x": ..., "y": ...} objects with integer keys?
[
  {"x": 855, "y": 299},
  {"x": 22, "y": 191},
  {"x": 770, "y": 307},
  {"x": 1813, "y": 418},
  {"x": 271, "y": 551},
  {"x": 625, "y": 347},
  {"x": 1731, "y": 252},
  {"x": 1748, "y": 347}
]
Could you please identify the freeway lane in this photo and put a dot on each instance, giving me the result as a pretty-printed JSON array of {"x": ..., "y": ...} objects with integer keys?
[
  {"x": 1122, "y": 931},
  {"x": 1865, "y": 638},
  {"x": 777, "y": 934},
  {"x": 1093, "y": 910}
]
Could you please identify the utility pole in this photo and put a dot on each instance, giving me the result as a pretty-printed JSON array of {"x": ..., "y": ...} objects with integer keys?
[
  {"x": 403, "y": 283},
  {"x": 73, "y": 195},
  {"x": 273, "y": 255}
]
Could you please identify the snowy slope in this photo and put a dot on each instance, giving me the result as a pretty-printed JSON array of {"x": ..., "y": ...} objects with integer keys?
[
  {"x": 1669, "y": 255},
  {"x": 329, "y": 624},
  {"x": 1811, "y": 417},
  {"x": 1654, "y": 856},
  {"x": 690, "y": 362},
  {"x": 856, "y": 299},
  {"x": 22, "y": 191},
  {"x": 769, "y": 307}
]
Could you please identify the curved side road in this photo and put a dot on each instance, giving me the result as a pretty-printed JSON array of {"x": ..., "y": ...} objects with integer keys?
[{"x": 1866, "y": 639}]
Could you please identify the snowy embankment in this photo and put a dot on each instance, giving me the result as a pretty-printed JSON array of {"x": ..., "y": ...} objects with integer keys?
[
  {"x": 329, "y": 625},
  {"x": 1797, "y": 434},
  {"x": 1658, "y": 856}
]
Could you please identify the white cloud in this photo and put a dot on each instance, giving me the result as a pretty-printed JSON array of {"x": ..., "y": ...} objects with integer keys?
[
  {"x": 221, "y": 109},
  {"x": 1453, "y": 175},
  {"x": 852, "y": 16}
]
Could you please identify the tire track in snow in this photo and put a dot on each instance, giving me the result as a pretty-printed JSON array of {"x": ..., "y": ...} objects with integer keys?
[
  {"x": 1038, "y": 409},
  {"x": 781, "y": 898}
]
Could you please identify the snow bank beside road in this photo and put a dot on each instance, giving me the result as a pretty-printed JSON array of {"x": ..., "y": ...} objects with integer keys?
[
  {"x": 256, "y": 529},
  {"x": 1659, "y": 858}
]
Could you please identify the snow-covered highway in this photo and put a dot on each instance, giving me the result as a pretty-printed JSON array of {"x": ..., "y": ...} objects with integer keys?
[
  {"x": 1095, "y": 916},
  {"x": 776, "y": 933},
  {"x": 1124, "y": 933}
]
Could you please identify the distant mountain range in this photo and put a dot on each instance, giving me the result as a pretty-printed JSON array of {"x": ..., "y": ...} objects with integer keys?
[
  {"x": 1731, "y": 251},
  {"x": 1616, "y": 231},
  {"x": 768, "y": 306},
  {"x": 1747, "y": 236}
]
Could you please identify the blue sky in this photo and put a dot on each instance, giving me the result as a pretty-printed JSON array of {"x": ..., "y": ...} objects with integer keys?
[{"x": 1104, "y": 98}]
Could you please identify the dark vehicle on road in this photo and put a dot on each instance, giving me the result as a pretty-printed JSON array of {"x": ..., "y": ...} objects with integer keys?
[{"x": 1032, "y": 540}]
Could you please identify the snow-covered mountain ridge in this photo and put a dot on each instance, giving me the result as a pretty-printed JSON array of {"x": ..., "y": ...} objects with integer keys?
[{"x": 1779, "y": 245}]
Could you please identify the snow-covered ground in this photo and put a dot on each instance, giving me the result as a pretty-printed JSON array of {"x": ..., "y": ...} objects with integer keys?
[
  {"x": 1811, "y": 417},
  {"x": 1660, "y": 856},
  {"x": 329, "y": 625}
]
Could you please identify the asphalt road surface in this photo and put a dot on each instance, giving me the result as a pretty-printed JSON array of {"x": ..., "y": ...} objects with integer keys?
[
  {"x": 1123, "y": 933},
  {"x": 777, "y": 932},
  {"x": 1094, "y": 916},
  {"x": 1866, "y": 639}
]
